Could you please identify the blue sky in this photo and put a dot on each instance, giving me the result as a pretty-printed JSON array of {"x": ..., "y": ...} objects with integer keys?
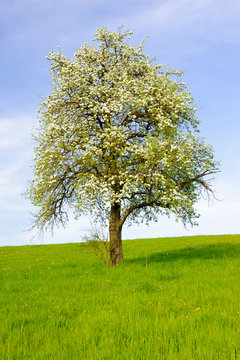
[{"x": 200, "y": 37}]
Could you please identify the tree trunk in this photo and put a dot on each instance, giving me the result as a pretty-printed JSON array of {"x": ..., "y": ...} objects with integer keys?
[{"x": 115, "y": 232}]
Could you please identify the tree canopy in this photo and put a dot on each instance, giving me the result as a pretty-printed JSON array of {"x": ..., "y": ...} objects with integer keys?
[{"x": 118, "y": 137}]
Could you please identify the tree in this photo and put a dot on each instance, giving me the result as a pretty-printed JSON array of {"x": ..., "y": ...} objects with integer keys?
[{"x": 118, "y": 139}]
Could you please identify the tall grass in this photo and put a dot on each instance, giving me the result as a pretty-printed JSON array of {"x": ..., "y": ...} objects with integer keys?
[{"x": 173, "y": 298}]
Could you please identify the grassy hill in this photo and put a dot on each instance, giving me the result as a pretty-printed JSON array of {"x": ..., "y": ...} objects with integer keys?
[{"x": 173, "y": 298}]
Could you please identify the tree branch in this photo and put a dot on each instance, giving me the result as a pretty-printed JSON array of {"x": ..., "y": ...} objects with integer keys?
[
  {"x": 140, "y": 206},
  {"x": 199, "y": 180}
]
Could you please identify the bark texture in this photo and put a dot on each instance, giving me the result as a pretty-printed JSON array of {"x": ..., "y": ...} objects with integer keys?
[{"x": 115, "y": 231}]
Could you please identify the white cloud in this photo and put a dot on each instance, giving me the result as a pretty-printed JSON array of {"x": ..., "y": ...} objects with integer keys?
[
  {"x": 186, "y": 18},
  {"x": 15, "y": 158},
  {"x": 16, "y": 131}
]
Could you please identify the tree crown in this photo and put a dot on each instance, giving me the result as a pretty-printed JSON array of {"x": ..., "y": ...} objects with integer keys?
[{"x": 117, "y": 129}]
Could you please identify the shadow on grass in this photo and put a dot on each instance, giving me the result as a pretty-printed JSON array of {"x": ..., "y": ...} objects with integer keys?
[{"x": 207, "y": 252}]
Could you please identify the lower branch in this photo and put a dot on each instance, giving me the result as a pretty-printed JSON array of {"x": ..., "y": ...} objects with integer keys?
[{"x": 140, "y": 206}]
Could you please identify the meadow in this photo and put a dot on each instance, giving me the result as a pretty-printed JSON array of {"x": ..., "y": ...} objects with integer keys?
[{"x": 172, "y": 298}]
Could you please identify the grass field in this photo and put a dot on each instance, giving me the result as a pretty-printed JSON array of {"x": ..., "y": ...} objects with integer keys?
[{"x": 173, "y": 298}]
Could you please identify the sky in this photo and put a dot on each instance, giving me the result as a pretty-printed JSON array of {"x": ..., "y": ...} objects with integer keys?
[{"x": 200, "y": 37}]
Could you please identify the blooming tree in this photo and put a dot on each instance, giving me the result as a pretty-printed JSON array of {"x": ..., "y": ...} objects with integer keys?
[{"x": 117, "y": 136}]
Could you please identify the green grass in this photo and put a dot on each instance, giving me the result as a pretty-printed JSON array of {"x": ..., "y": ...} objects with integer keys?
[{"x": 173, "y": 298}]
